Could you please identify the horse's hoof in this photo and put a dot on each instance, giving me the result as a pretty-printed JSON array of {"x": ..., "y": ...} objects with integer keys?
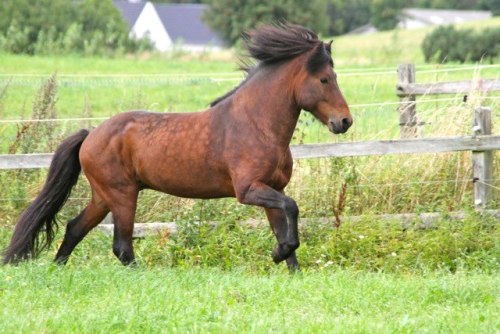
[
  {"x": 295, "y": 270},
  {"x": 280, "y": 253}
]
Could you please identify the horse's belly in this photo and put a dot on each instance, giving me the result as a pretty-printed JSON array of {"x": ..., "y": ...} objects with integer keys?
[
  {"x": 197, "y": 192},
  {"x": 186, "y": 180}
]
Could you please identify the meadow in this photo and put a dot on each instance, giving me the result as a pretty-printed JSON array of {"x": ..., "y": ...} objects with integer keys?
[
  {"x": 366, "y": 276},
  {"x": 363, "y": 278},
  {"x": 107, "y": 299}
]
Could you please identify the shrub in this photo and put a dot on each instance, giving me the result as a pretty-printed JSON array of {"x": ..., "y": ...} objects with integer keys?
[
  {"x": 448, "y": 44},
  {"x": 61, "y": 26},
  {"x": 16, "y": 39}
]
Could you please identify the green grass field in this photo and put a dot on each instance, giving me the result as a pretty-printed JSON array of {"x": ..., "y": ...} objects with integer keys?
[
  {"x": 364, "y": 277},
  {"x": 111, "y": 299}
]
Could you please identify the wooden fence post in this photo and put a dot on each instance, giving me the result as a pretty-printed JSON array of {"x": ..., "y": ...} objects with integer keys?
[
  {"x": 407, "y": 106},
  {"x": 482, "y": 161}
]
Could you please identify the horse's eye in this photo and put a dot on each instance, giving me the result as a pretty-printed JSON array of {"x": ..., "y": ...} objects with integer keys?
[{"x": 324, "y": 80}]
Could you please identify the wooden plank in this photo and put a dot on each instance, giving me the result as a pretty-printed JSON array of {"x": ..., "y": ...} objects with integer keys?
[
  {"x": 407, "y": 107},
  {"x": 449, "y": 87},
  {"x": 403, "y": 146},
  {"x": 408, "y": 221},
  {"x": 349, "y": 149},
  {"x": 142, "y": 229},
  {"x": 482, "y": 161},
  {"x": 25, "y": 161}
]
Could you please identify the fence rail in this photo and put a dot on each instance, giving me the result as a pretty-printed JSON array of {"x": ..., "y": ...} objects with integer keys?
[
  {"x": 450, "y": 87},
  {"x": 309, "y": 151}
]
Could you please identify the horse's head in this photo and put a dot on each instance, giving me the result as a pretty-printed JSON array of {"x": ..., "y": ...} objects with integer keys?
[{"x": 317, "y": 91}]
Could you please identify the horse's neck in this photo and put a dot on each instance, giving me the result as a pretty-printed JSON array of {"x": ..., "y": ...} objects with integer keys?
[{"x": 267, "y": 105}]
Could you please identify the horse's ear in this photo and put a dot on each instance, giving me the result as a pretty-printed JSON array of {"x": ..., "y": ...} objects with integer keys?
[
  {"x": 318, "y": 58},
  {"x": 328, "y": 47}
]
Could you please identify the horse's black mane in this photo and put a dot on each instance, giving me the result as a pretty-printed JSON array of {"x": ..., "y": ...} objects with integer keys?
[
  {"x": 278, "y": 42},
  {"x": 274, "y": 43}
]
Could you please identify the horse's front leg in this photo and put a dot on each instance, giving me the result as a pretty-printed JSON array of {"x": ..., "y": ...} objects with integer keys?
[
  {"x": 279, "y": 225},
  {"x": 288, "y": 235}
]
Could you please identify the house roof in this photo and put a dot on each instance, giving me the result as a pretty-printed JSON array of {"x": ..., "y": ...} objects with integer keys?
[
  {"x": 444, "y": 16},
  {"x": 184, "y": 22},
  {"x": 130, "y": 10}
]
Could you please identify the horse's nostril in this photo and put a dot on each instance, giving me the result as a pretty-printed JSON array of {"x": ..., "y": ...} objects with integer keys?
[{"x": 346, "y": 123}]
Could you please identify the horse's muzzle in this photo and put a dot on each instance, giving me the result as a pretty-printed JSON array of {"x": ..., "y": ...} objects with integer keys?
[{"x": 339, "y": 125}]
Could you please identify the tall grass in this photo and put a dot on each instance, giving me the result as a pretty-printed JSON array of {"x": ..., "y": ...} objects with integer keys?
[{"x": 369, "y": 244}]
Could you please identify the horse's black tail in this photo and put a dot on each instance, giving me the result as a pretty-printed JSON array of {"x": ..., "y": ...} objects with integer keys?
[{"x": 41, "y": 214}]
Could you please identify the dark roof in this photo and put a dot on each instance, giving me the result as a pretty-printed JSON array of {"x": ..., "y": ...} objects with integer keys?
[
  {"x": 130, "y": 10},
  {"x": 184, "y": 22}
]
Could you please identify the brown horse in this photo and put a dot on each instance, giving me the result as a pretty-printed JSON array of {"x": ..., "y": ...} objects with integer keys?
[{"x": 239, "y": 147}]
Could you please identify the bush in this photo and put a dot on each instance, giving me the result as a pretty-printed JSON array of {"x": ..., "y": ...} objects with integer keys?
[
  {"x": 448, "y": 44},
  {"x": 16, "y": 39},
  {"x": 45, "y": 27}
]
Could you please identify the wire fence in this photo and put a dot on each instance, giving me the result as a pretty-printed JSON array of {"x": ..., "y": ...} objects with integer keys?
[
  {"x": 325, "y": 187},
  {"x": 99, "y": 79},
  {"x": 352, "y": 106}
]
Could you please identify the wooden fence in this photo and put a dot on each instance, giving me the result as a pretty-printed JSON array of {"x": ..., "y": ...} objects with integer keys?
[
  {"x": 481, "y": 142},
  {"x": 407, "y": 89}
]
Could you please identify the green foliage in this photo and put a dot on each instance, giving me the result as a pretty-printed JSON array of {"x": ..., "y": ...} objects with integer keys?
[
  {"x": 385, "y": 13},
  {"x": 493, "y": 5},
  {"x": 177, "y": 1},
  {"x": 449, "y": 44},
  {"x": 61, "y": 26},
  {"x": 371, "y": 245},
  {"x": 231, "y": 18},
  {"x": 16, "y": 39},
  {"x": 345, "y": 16}
]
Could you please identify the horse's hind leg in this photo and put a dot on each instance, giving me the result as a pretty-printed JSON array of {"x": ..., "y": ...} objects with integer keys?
[
  {"x": 79, "y": 226},
  {"x": 123, "y": 211},
  {"x": 277, "y": 219}
]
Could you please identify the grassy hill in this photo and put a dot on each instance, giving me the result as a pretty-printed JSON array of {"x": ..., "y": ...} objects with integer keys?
[{"x": 390, "y": 47}]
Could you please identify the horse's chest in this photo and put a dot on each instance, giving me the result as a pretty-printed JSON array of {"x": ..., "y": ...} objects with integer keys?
[{"x": 282, "y": 172}]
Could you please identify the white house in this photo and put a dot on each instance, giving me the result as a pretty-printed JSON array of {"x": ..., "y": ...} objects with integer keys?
[{"x": 170, "y": 25}]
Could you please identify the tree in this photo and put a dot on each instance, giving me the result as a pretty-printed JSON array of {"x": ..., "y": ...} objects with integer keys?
[
  {"x": 493, "y": 5},
  {"x": 36, "y": 16},
  {"x": 177, "y": 1},
  {"x": 230, "y": 18},
  {"x": 57, "y": 26},
  {"x": 102, "y": 17},
  {"x": 385, "y": 13},
  {"x": 345, "y": 16}
]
